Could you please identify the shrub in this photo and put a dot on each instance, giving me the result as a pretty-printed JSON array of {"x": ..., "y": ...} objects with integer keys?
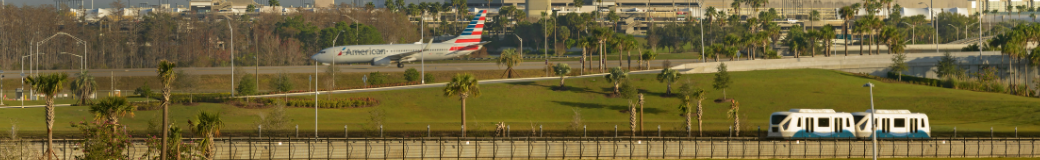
[
  {"x": 281, "y": 82},
  {"x": 428, "y": 78},
  {"x": 411, "y": 75},
  {"x": 376, "y": 78},
  {"x": 246, "y": 86},
  {"x": 143, "y": 91},
  {"x": 199, "y": 97},
  {"x": 335, "y": 103}
]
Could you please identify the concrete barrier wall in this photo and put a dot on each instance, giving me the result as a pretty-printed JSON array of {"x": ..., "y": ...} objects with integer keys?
[{"x": 921, "y": 64}]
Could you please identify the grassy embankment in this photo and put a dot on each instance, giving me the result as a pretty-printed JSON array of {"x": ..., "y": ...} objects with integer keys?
[{"x": 527, "y": 104}]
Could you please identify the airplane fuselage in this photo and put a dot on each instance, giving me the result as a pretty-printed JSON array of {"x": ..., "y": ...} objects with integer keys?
[{"x": 368, "y": 53}]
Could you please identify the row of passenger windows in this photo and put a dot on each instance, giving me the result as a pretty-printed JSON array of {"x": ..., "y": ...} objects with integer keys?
[{"x": 405, "y": 50}]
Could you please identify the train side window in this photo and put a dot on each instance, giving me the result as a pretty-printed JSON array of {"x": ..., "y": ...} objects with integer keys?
[
  {"x": 824, "y": 122},
  {"x": 924, "y": 122},
  {"x": 899, "y": 122},
  {"x": 799, "y": 122}
]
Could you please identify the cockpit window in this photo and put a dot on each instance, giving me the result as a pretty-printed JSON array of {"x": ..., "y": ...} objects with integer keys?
[{"x": 321, "y": 52}]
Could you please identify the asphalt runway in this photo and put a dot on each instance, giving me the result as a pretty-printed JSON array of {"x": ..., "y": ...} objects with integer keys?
[
  {"x": 589, "y": 148},
  {"x": 459, "y": 66}
]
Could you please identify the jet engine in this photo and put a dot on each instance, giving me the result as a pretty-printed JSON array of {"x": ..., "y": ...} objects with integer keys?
[{"x": 381, "y": 61}]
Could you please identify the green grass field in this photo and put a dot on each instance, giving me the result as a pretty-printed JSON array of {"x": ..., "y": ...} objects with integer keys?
[{"x": 534, "y": 103}]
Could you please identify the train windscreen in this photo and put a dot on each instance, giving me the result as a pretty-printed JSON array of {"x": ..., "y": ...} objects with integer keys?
[{"x": 777, "y": 118}]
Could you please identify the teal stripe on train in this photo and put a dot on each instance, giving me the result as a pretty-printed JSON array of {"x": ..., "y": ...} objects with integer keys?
[{"x": 803, "y": 134}]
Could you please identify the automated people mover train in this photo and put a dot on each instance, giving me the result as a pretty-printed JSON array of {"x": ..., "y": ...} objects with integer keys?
[{"x": 829, "y": 124}]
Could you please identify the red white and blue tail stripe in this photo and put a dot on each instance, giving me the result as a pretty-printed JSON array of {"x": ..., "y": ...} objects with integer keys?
[{"x": 473, "y": 30}]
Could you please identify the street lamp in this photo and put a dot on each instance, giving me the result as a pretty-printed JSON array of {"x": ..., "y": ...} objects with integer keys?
[
  {"x": 315, "y": 99},
  {"x": 256, "y": 73},
  {"x": 334, "y": 58},
  {"x": 232, "y": 33},
  {"x": 521, "y": 46},
  {"x": 955, "y": 28},
  {"x": 82, "y": 64},
  {"x": 966, "y": 29},
  {"x": 913, "y": 33},
  {"x": 873, "y": 130},
  {"x": 700, "y": 6}
]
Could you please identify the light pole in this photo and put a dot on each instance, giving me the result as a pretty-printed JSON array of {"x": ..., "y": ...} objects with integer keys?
[
  {"x": 955, "y": 28},
  {"x": 84, "y": 60},
  {"x": 935, "y": 24},
  {"x": 232, "y": 33},
  {"x": 966, "y": 29},
  {"x": 315, "y": 99},
  {"x": 913, "y": 33},
  {"x": 334, "y": 58},
  {"x": 873, "y": 129},
  {"x": 521, "y": 46},
  {"x": 700, "y": 6},
  {"x": 256, "y": 73}
]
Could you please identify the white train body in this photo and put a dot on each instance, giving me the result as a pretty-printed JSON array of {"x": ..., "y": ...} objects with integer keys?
[
  {"x": 893, "y": 124},
  {"x": 811, "y": 124}
]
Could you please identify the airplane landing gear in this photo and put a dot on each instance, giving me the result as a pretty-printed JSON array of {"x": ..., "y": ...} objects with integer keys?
[{"x": 400, "y": 65}]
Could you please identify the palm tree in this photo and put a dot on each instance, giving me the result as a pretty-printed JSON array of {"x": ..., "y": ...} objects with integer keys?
[
  {"x": 894, "y": 39},
  {"x": 827, "y": 33},
  {"x": 734, "y": 112},
  {"x": 630, "y": 43},
  {"x": 463, "y": 85},
  {"x": 509, "y": 58},
  {"x": 850, "y": 16},
  {"x": 668, "y": 76},
  {"x": 847, "y": 15},
  {"x": 83, "y": 86},
  {"x": 111, "y": 108},
  {"x": 49, "y": 85},
  {"x": 648, "y": 56},
  {"x": 616, "y": 76},
  {"x": 687, "y": 95},
  {"x": 861, "y": 29},
  {"x": 208, "y": 125},
  {"x": 584, "y": 43},
  {"x": 700, "y": 95},
  {"x": 562, "y": 69},
  {"x": 166, "y": 76}
]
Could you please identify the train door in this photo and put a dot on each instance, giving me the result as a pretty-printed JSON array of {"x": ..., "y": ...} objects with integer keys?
[
  {"x": 810, "y": 124},
  {"x": 838, "y": 125},
  {"x": 914, "y": 124},
  {"x": 885, "y": 125}
]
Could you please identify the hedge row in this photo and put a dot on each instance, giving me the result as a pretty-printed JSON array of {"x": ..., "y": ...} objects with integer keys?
[
  {"x": 335, "y": 103},
  {"x": 352, "y": 87}
]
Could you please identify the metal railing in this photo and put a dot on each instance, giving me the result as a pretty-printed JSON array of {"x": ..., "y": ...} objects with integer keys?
[{"x": 566, "y": 147}]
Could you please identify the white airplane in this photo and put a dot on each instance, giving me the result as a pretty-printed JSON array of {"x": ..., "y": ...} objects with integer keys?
[{"x": 384, "y": 55}]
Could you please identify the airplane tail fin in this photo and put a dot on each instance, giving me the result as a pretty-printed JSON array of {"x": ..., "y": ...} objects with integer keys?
[{"x": 473, "y": 30}]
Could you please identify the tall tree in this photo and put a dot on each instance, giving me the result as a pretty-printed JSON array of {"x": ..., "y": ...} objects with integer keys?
[
  {"x": 722, "y": 79},
  {"x": 83, "y": 86},
  {"x": 208, "y": 125},
  {"x": 668, "y": 76},
  {"x": 509, "y": 58},
  {"x": 562, "y": 69},
  {"x": 847, "y": 13},
  {"x": 616, "y": 76},
  {"x": 49, "y": 85},
  {"x": 463, "y": 85},
  {"x": 166, "y": 77}
]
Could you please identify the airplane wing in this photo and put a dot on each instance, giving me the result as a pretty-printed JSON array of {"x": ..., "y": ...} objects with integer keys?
[{"x": 409, "y": 55}]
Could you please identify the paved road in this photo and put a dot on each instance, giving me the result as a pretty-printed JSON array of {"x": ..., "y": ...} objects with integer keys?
[
  {"x": 343, "y": 68},
  {"x": 643, "y": 148}
]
